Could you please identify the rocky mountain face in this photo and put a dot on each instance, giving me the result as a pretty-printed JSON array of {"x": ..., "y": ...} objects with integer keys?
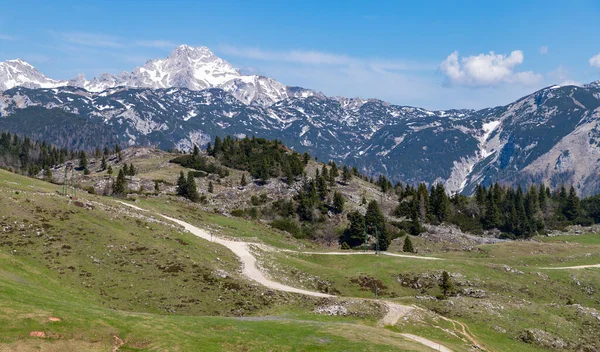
[
  {"x": 550, "y": 136},
  {"x": 194, "y": 68}
]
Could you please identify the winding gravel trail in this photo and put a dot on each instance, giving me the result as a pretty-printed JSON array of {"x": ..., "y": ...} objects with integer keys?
[
  {"x": 571, "y": 267},
  {"x": 395, "y": 311}
]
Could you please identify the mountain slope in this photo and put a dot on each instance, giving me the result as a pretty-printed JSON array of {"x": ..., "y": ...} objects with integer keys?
[{"x": 192, "y": 96}]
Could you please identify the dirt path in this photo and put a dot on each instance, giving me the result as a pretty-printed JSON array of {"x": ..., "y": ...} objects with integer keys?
[
  {"x": 250, "y": 270},
  {"x": 434, "y": 345},
  {"x": 572, "y": 267},
  {"x": 364, "y": 253}
]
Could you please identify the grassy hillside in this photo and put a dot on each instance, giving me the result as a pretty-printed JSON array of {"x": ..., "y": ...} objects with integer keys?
[
  {"x": 105, "y": 271},
  {"x": 502, "y": 291}
]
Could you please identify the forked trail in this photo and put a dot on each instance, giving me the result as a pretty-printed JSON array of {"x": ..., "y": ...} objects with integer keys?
[{"x": 395, "y": 311}]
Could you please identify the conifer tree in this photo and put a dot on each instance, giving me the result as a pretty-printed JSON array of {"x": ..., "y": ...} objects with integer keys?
[
  {"x": 355, "y": 233},
  {"x": 338, "y": 202},
  {"x": 109, "y": 170},
  {"x": 156, "y": 187},
  {"x": 243, "y": 181},
  {"x": 103, "y": 163},
  {"x": 375, "y": 222},
  {"x": 182, "y": 185},
  {"x": 408, "y": 246},
  {"x": 191, "y": 189},
  {"x": 305, "y": 158},
  {"x": 346, "y": 174},
  {"x": 572, "y": 207},
  {"x": 196, "y": 151},
  {"x": 210, "y": 187},
  {"x": 415, "y": 219},
  {"x": 446, "y": 285},
  {"x": 83, "y": 163},
  {"x": 120, "y": 185}
]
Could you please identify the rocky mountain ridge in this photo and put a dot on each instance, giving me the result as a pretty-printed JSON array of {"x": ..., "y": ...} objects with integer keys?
[{"x": 549, "y": 136}]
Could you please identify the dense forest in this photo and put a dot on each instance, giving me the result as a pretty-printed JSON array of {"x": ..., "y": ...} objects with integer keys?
[
  {"x": 29, "y": 157},
  {"x": 516, "y": 213},
  {"x": 262, "y": 158}
]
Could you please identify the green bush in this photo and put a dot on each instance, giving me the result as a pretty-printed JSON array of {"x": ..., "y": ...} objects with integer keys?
[{"x": 287, "y": 225}]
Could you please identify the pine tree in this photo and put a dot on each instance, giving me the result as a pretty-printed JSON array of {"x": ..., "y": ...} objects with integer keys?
[
  {"x": 103, "y": 163},
  {"x": 355, "y": 233},
  {"x": 322, "y": 187},
  {"x": 120, "y": 185},
  {"x": 196, "y": 150},
  {"x": 572, "y": 207},
  {"x": 289, "y": 176},
  {"x": 132, "y": 170},
  {"x": 156, "y": 187},
  {"x": 415, "y": 219},
  {"x": 182, "y": 185},
  {"x": 446, "y": 285},
  {"x": 83, "y": 163},
  {"x": 243, "y": 182},
  {"x": 346, "y": 174},
  {"x": 338, "y": 202},
  {"x": 109, "y": 170},
  {"x": 210, "y": 187},
  {"x": 333, "y": 173},
  {"x": 217, "y": 148},
  {"x": 408, "y": 246},
  {"x": 305, "y": 158},
  {"x": 191, "y": 189},
  {"x": 375, "y": 222}
]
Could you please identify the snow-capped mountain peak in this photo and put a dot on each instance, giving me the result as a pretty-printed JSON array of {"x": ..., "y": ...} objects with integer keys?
[
  {"x": 19, "y": 72},
  {"x": 194, "y": 68}
]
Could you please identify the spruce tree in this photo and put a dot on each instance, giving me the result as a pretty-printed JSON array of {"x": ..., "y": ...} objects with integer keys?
[
  {"x": 375, "y": 222},
  {"x": 120, "y": 185},
  {"x": 338, "y": 202},
  {"x": 103, "y": 163},
  {"x": 210, "y": 187},
  {"x": 408, "y": 246},
  {"x": 191, "y": 189},
  {"x": 243, "y": 182},
  {"x": 182, "y": 185},
  {"x": 322, "y": 187},
  {"x": 355, "y": 233},
  {"x": 415, "y": 219},
  {"x": 346, "y": 174},
  {"x": 196, "y": 151},
  {"x": 446, "y": 285},
  {"x": 83, "y": 163},
  {"x": 109, "y": 170},
  {"x": 289, "y": 176},
  {"x": 305, "y": 158},
  {"x": 156, "y": 187},
  {"x": 572, "y": 207}
]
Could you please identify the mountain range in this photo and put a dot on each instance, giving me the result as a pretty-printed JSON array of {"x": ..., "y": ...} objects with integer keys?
[{"x": 550, "y": 136}]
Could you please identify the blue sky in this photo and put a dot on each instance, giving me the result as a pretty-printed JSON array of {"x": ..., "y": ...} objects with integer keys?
[{"x": 434, "y": 54}]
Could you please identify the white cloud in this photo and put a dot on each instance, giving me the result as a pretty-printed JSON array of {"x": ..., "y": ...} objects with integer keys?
[
  {"x": 92, "y": 39},
  {"x": 544, "y": 50},
  {"x": 311, "y": 57},
  {"x": 156, "y": 43},
  {"x": 595, "y": 61},
  {"x": 487, "y": 70},
  {"x": 6, "y": 37}
]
